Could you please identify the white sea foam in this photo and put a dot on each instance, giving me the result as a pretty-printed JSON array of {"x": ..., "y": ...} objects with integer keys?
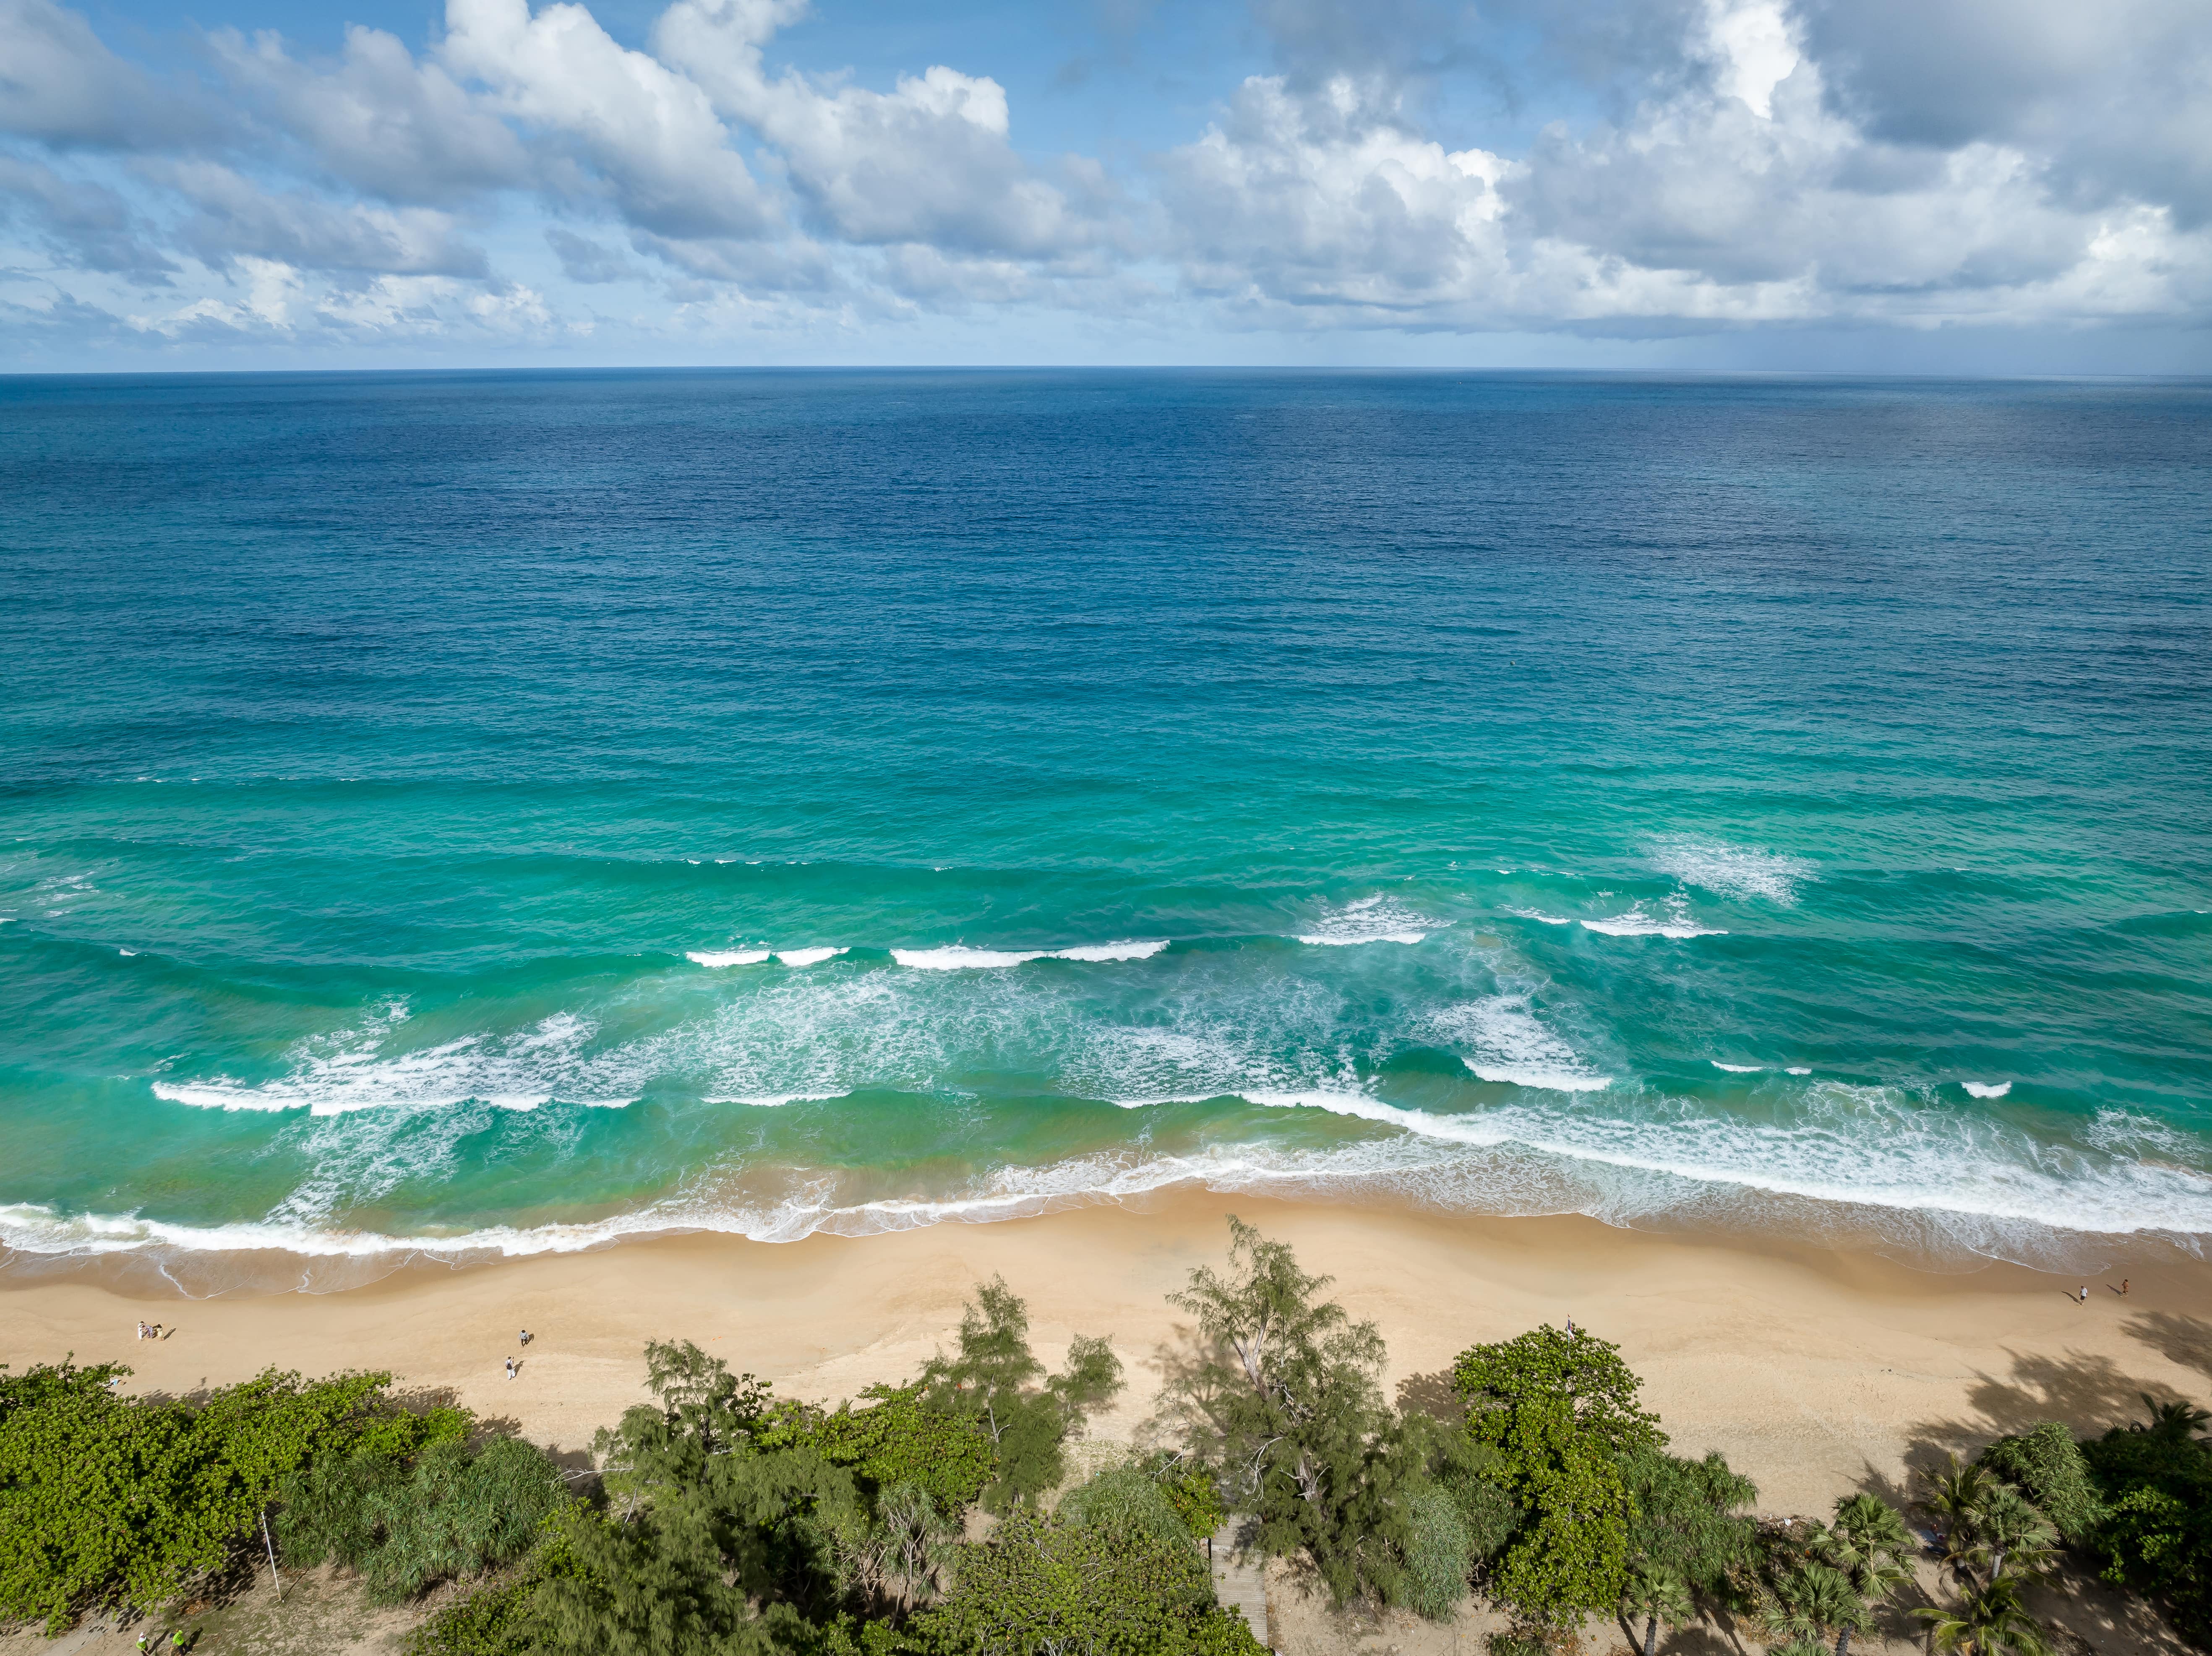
[
  {"x": 1736, "y": 1069},
  {"x": 1371, "y": 919},
  {"x": 1636, "y": 923},
  {"x": 1961, "y": 1182},
  {"x": 1135, "y": 950},
  {"x": 1798, "y": 1070},
  {"x": 356, "y": 1069},
  {"x": 128, "y": 953},
  {"x": 1501, "y": 1038},
  {"x": 1538, "y": 914},
  {"x": 807, "y": 956},
  {"x": 727, "y": 957},
  {"x": 957, "y": 957},
  {"x": 1732, "y": 870},
  {"x": 1988, "y": 1089}
]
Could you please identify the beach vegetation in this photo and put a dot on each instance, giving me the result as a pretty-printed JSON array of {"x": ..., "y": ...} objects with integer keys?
[
  {"x": 1112, "y": 1571},
  {"x": 2155, "y": 1480},
  {"x": 1989, "y": 1620},
  {"x": 993, "y": 1379},
  {"x": 1657, "y": 1595},
  {"x": 1558, "y": 1411},
  {"x": 454, "y": 1509},
  {"x": 889, "y": 1437},
  {"x": 110, "y": 1500},
  {"x": 1685, "y": 1518},
  {"x": 2047, "y": 1466},
  {"x": 1282, "y": 1402}
]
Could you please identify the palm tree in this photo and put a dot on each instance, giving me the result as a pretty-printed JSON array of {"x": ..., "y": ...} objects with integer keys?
[
  {"x": 2174, "y": 1420},
  {"x": 1816, "y": 1600},
  {"x": 2011, "y": 1533},
  {"x": 1870, "y": 1544},
  {"x": 1951, "y": 1496},
  {"x": 1989, "y": 1621},
  {"x": 1660, "y": 1595}
]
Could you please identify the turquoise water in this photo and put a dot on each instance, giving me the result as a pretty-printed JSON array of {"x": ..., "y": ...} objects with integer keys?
[{"x": 503, "y": 811}]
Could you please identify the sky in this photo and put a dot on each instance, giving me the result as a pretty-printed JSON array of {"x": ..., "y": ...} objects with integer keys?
[{"x": 1939, "y": 186}]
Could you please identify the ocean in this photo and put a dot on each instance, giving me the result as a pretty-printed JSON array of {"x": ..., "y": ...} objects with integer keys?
[{"x": 490, "y": 813}]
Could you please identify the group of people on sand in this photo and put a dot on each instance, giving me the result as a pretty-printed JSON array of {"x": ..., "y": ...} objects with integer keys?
[
  {"x": 513, "y": 1367},
  {"x": 149, "y": 1331}
]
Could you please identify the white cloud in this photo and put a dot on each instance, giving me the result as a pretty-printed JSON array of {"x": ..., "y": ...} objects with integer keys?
[
  {"x": 648, "y": 136},
  {"x": 928, "y": 161},
  {"x": 395, "y": 128},
  {"x": 1713, "y": 164}
]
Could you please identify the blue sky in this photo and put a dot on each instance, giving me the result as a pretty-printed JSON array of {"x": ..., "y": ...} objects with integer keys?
[{"x": 1903, "y": 185}]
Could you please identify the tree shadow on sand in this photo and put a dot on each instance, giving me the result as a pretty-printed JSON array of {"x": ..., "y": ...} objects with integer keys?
[
  {"x": 2088, "y": 1394},
  {"x": 2185, "y": 1342},
  {"x": 1431, "y": 1394}
]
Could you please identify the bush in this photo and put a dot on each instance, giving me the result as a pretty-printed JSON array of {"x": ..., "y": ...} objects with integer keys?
[
  {"x": 1046, "y": 1584},
  {"x": 496, "y": 1621},
  {"x": 106, "y": 1500},
  {"x": 1440, "y": 1554},
  {"x": 2047, "y": 1466},
  {"x": 897, "y": 1439}
]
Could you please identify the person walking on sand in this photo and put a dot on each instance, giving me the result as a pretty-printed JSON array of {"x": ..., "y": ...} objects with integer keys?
[
  {"x": 510, "y": 1368},
  {"x": 2123, "y": 1287},
  {"x": 525, "y": 1336},
  {"x": 2085, "y": 1294}
]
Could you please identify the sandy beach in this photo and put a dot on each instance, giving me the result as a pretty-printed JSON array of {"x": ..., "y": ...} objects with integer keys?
[{"x": 1817, "y": 1372}]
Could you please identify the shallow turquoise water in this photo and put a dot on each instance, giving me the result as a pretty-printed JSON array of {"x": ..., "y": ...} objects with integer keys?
[{"x": 426, "y": 799}]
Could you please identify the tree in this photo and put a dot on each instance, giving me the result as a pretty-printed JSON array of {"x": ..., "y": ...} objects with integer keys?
[
  {"x": 1284, "y": 1403},
  {"x": 2046, "y": 1465},
  {"x": 1657, "y": 1592},
  {"x": 1989, "y": 1621},
  {"x": 2010, "y": 1534},
  {"x": 1683, "y": 1516},
  {"x": 1818, "y": 1602},
  {"x": 1560, "y": 1410},
  {"x": 1870, "y": 1544},
  {"x": 993, "y": 1379},
  {"x": 1951, "y": 1497},
  {"x": 720, "y": 1544},
  {"x": 1576, "y": 1369},
  {"x": 106, "y": 1500},
  {"x": 1111, "y": 1573},
  {"x": 2155, "y": 1481}
]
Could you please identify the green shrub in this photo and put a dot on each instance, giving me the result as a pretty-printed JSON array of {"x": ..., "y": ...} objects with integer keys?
[
  {"x": 1122, "y": 1499},
  {"x": 454, "y": 1512},
  {"x": 2046, "y": 1465},
  {"x": 1195, "y": 1494},
  {"x": 898, "y": 1438},
  {"x": 1043, "y": 1585},
  {"x": 1440, "y": 1554},
  {"x": 106, "y": 1500},
  {"x": 495, "y": 1621}
]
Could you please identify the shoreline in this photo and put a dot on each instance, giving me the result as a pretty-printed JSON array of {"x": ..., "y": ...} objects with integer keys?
[{"x": 1817, "y": 1370}]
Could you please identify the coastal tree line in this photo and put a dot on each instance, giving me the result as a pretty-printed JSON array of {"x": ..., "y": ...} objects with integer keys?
[{"x": 934, "y": 1516}]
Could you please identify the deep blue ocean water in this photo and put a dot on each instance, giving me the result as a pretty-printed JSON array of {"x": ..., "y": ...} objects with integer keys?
[{"x": 429, "y": 803}]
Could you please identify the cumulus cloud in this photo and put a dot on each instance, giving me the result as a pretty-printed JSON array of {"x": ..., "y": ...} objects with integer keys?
[
  {"x": 929, "y": 161},
  {"x": 1642, "y": 167},
  {"x": 392, "y": 127},
  {"x": 1740, "y": 187}
]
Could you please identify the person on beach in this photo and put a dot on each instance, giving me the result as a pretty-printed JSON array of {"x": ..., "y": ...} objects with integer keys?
[
  {"x": 525, "y": 1336},
  {"x": 141, "y": 1335},
  {"x": 2123, "y": 1287},
  {"x": 2085, "y": 1294},
  {"x": 510, "y": 1368}
]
